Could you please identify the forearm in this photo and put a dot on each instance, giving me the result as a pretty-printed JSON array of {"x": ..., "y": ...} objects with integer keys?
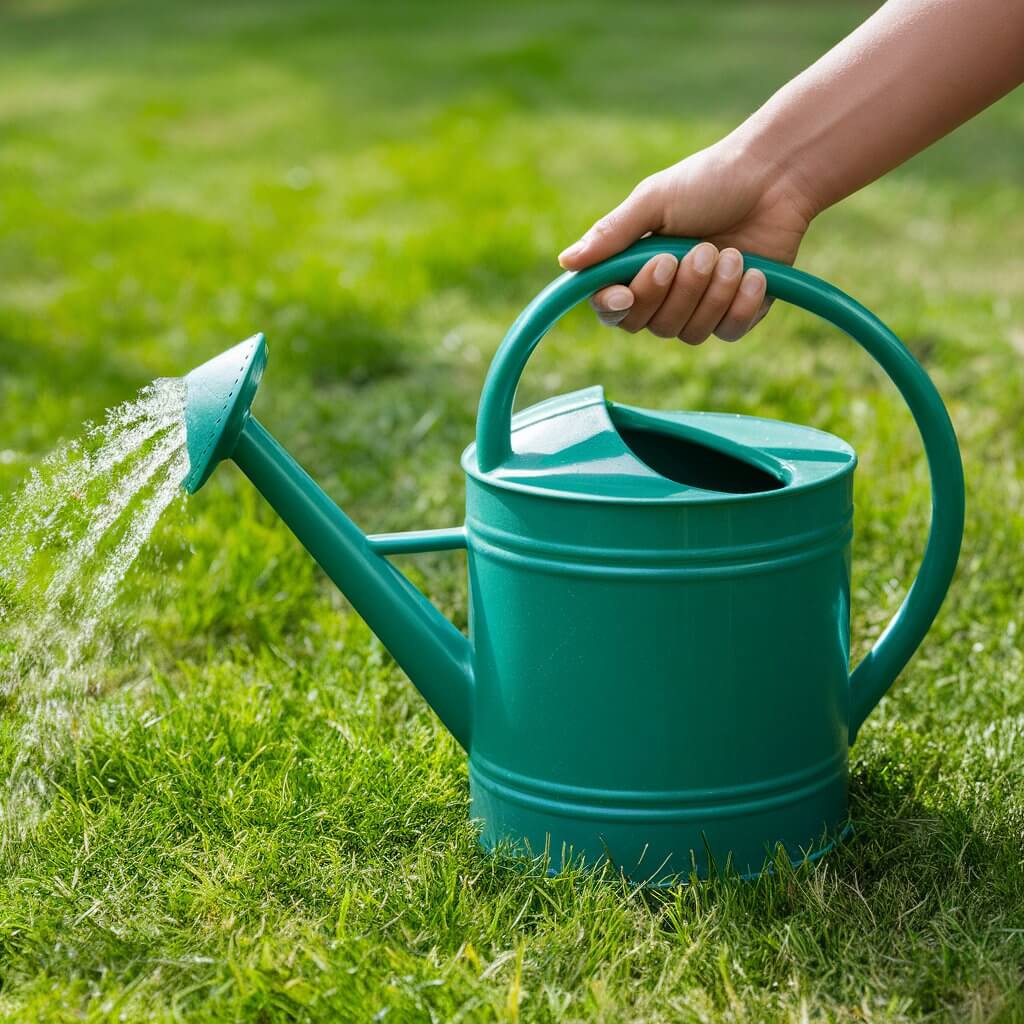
[{"x": 910, "y": 74}]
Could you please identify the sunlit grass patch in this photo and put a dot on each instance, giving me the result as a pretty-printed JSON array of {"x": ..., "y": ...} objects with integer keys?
[{"x": 255, "y": 817}]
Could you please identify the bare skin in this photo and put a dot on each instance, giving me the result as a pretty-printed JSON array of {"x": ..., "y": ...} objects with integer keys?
[{"x": 909, "y": 75}]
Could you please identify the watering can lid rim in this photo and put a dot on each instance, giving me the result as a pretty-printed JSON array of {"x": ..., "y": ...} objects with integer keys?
[{"x": 570, "y": 447}]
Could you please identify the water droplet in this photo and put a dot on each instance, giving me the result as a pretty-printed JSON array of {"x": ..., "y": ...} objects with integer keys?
[{"x": 68, "y": 536}]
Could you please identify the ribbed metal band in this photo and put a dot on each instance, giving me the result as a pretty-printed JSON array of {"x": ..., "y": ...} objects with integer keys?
[
  {"x": 568, "y": 559},
  {"x": 665, "y": 805}
]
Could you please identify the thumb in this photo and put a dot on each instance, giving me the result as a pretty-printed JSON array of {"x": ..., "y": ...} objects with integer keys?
[{"x": 634, "y": 217}]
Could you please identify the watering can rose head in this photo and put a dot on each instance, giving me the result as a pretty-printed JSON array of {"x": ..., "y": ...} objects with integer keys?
[
  {"x": 656, "y": 672},
  {"x": 219, "y": 394}
]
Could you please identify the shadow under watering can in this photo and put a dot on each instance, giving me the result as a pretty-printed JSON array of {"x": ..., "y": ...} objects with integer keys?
[{"x": 657, "y": 668}]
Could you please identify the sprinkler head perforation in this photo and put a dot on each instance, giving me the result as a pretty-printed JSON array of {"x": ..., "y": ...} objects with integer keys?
[{"x": 219, "y": 394}]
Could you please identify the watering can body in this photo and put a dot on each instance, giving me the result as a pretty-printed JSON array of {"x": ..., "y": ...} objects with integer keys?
[
  {"x": 657, "y": 669},
  {"x": 661, "y": 663}
]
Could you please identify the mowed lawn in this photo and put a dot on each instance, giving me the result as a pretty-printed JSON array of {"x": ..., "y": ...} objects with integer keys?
[{"x": 254, "y": 816}]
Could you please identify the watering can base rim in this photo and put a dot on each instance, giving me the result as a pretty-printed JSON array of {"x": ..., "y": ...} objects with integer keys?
[{"x": 522, "y": 863}]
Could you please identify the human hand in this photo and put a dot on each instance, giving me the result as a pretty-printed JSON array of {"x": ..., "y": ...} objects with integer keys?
[{"x": 722, "y": 195}]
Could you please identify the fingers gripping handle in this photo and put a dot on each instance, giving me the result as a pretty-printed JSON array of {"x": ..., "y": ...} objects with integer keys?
[{"x": 876, "y": 673}]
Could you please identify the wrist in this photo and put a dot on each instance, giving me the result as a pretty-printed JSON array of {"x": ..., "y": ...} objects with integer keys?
[{"x": 765, "y": 153}]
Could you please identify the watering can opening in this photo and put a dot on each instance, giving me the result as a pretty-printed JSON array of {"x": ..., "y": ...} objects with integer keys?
[
  {"x": 694, "y": 458},
  {"x": 582, "y": 447}
]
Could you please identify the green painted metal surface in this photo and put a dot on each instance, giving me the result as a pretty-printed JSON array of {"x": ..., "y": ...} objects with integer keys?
[{"x": 657, "y": 671}]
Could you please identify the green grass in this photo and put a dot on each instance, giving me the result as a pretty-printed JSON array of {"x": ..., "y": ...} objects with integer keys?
[{"x": 257, "y": 818}]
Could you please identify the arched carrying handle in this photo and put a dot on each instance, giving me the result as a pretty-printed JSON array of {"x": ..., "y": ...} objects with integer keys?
[{"x": 894, "y": 648}]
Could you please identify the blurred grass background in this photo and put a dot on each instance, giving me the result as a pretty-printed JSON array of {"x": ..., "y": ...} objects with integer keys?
[{"x": 258, "y": 819}]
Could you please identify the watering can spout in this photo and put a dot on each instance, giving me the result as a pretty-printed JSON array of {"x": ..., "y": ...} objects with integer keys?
[{"x": 219, "y": 425}]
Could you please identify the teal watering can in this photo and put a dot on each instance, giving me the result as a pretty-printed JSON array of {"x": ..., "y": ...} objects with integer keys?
[{"x": 657, "y": 668}]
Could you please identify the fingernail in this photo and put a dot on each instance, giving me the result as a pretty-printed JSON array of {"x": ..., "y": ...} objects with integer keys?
[
  {"x": 704, "y": 258},
  {"x": 753, "y": 282},
  {"x": 664, "y": 268},
  {"x": 574, "y": 250},
  {"x": 619, "y": 300},
  {"x": 730, "y": 263}
]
